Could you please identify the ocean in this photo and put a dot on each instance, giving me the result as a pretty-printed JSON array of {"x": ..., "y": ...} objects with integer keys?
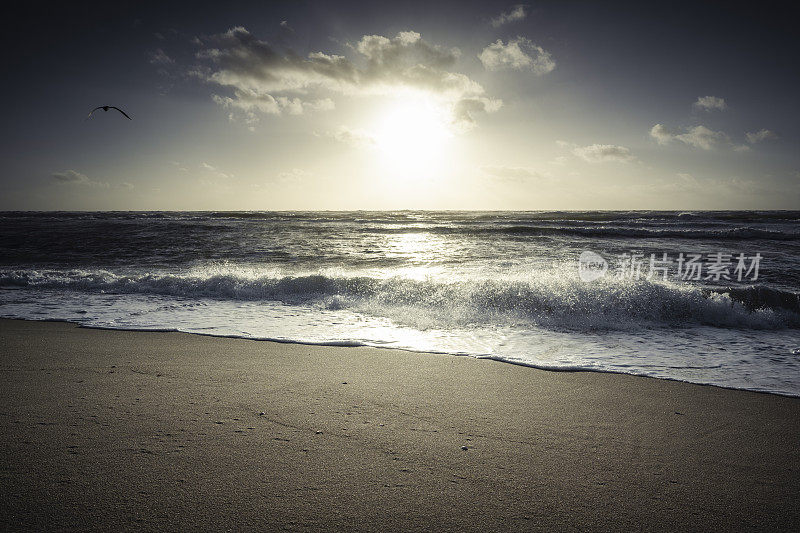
[{"x": 703, "y": 297}]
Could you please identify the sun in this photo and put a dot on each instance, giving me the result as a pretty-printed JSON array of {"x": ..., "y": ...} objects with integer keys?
[{"x": 412, "y": 138}]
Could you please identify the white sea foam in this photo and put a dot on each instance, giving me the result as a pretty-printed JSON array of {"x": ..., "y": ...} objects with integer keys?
[{"x": 554, "y": 299}]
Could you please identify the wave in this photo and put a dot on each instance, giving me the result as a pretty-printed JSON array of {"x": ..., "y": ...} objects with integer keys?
[
  {"x": 130, "y": 227},
  {"x": 706, "y": 234},
  {"x": 602, "y": 232},
  {"x": 549, "y": 299}
]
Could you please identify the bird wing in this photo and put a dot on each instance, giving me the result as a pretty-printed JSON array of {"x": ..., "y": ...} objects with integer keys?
[
  {"x": 121, "y": 111},
  {"x": 93, "y": 110}
]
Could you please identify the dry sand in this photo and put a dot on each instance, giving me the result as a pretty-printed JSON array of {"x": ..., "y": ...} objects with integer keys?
[{"x": 118, "y": 430}]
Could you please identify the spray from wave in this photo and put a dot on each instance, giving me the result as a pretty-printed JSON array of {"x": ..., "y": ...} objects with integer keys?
[{"x": 547, "y": 299}]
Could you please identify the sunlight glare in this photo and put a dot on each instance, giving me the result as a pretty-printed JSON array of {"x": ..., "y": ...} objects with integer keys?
[{"x": 411, "y": 138}]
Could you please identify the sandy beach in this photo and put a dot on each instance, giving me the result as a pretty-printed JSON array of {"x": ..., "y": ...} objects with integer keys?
[
  {"x": 400, "y": 266},
  {"x": 166, "y": 431}
]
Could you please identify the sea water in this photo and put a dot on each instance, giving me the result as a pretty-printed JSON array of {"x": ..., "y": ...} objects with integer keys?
[{"x": 511, "y": 286}]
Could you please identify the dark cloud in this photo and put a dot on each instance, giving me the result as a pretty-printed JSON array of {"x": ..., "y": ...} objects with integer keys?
[
  {"x": 73, "y": 177},
  {"x": 754, "y": 137}
]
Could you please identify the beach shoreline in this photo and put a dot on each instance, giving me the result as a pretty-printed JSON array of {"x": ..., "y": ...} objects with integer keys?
[
  {"x": 356, "y": 344},
  {"x": 112, "y": 429}
]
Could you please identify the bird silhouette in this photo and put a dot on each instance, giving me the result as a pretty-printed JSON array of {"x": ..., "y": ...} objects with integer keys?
[{"x": 106, "y": 108}]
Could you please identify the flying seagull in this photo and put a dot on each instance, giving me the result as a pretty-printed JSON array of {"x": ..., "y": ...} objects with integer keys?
[{"x": 106, "y": 108}]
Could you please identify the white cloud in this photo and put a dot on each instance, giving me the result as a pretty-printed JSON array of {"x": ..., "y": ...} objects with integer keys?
[
  {"x": 517, "y": 12},
  {"x": 263, "y": 80},
  {"x": 71, "y": 177},
  {"x": 761, "y": 135},
  {"x": 513, "y": 173},
  {"x": 518, "y": 54},
  {"x": 698, "y": 136},
  {"x": 702, "y": 137},
  {"x": 353, "y": 137},
  {"x": 660, "y": 133},
  {"x": 599, "y": 153},
  {"x": 464, "y": 111},
  {"x": 215, "y": 171},
  {"x": 251, "y": 103},
  {"x": 710, "y": 103},
  {"x": 295, "y": 174}
]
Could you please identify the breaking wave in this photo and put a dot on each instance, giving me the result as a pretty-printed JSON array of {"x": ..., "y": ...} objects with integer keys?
[{"x": 548, "y": 299}]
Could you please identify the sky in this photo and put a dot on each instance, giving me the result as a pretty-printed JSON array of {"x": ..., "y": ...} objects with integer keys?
[{"x": 301, "y": 105}]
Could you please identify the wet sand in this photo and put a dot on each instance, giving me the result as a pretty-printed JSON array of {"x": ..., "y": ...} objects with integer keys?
[{"x": 109, "y": 430}]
